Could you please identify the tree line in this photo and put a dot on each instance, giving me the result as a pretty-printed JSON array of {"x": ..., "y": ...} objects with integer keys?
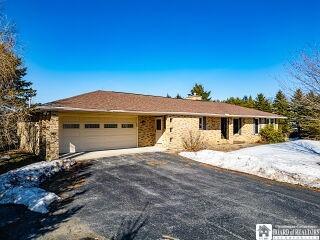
[{"x": 299, "y": 102}]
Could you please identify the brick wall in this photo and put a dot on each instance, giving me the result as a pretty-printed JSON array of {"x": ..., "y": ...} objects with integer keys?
[
  {"x": 41, "y": 135},
  {"x": 246, "y": 132},
  {"x": 178, "y": 128},
  {"x": 146, "y": 131}
]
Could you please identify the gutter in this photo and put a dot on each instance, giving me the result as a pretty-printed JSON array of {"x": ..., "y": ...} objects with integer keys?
[{"x": 48, "y": 108}]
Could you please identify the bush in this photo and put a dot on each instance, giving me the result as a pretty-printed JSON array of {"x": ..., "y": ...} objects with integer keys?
[
  {"x": 193, "y": 142},
  {"x": 271, "y": 135}
]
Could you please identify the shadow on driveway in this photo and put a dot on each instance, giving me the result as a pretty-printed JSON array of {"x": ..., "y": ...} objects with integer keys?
[{"x": 17, "y": 222}]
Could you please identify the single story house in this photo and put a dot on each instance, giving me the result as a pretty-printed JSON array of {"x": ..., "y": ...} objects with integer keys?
[{"x": 103, "y": 120}]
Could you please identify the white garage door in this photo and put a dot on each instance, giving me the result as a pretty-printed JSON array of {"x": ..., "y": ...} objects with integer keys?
[{"x": 92, "y": 134}]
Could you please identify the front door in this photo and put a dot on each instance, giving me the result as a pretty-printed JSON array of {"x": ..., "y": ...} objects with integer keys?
[
  {"x": 224, "y": 128},
  {"x": 159, "y": 130}
]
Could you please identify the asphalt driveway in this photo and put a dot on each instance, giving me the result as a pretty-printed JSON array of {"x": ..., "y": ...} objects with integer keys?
[{"x": 185, "y": 199}]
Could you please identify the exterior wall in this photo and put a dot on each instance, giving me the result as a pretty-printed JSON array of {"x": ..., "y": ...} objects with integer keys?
[
  {"x": 41, "y": 135},
  {"x": 179, "y": 127},
  {"x": 29, "y": 135},
  {"x": 146, "y": 131},
  {"x": 246, "y": 132}
]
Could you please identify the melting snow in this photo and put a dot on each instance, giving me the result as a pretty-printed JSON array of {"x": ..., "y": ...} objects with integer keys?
[
  {"x": 21, "y": 186},
  {"x": 296, "y": 162}
]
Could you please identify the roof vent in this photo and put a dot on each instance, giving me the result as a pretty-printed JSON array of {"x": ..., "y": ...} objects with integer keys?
[{"x": 194, "y": 97}]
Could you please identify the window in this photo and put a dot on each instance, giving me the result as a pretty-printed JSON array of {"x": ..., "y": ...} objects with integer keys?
[
  {"x": 256, "y": 125},
  {"x": 203, "y": 123},
  {"x": 71, "y": 126},
  {"x": 92, "y": 125},
  {"x": 171, "y": 129},
  {"x": 236, "y": 126},
  {"x": 111, "y": 125},
  {"x": 127, "y": 125},
  {"x": 171, "y": 139},
  {"x": 171, "y": 119},
  {"x": 159, "y": 124}
]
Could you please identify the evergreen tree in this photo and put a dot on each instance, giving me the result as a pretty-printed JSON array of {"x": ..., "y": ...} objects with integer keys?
[
  {"x": 168, "y": 96},
  {"x": 199, "y": 90},
  {"x": 179, "y": 96},
  {"x": 297, "y": 111},
  {"x": 262, "y": 103},
  {"x": 15, "y": 91},
  {"x": 250, "y": 102},
  {"x": 235, "y": 101},
  {"x": 281, "y": 107},
  {"x": 310, "y": 124}
]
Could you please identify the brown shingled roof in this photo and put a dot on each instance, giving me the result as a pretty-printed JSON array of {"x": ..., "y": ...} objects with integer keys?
[{"x": 109, "y": 101}]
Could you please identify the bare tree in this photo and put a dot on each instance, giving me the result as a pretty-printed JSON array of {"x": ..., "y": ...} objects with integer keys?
[{"x": 304, "y": 74}]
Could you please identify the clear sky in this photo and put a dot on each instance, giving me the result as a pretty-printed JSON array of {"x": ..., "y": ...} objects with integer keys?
[{"x": 234, "y": 48}]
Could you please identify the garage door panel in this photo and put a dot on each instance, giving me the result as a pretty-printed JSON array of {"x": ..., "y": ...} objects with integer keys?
[
  {"x": 96, "y": 143},
  {"x": 84, "y": 139}
]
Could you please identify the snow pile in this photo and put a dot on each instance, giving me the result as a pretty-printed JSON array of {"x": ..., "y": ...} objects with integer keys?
[
  {"x": 21, "y": 186},
  {"x": 296, "y": 162}
]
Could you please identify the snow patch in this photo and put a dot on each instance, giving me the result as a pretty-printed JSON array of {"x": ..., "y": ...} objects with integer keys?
[
  {"x": 35, "y": 198},
  {"x": 296, "y": 162},
  {"x": 21, "y": 186}
]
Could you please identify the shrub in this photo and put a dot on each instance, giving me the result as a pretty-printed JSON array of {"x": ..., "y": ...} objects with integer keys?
[
  {"x": 271, "y": 135},
  {"x": 193, "y": 141}
]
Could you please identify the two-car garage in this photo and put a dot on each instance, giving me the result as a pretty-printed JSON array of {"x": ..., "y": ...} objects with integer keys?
[{"x": 82, "y": 132}]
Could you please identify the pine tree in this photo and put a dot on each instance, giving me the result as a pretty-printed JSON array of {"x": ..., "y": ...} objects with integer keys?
[
  {"x": 297, "y": 112},
  {"x": 262, "y": 103},
  {"x": 310, "y": 124},
  {"x": 281, "y": 107},
  {"x": 250, "y": 102},
  {"x": 168, "y": 96},
  {"x": 179, "y": 96},
  {"x": 199, "y": 90},
  {"x": 15, "y": 91}
]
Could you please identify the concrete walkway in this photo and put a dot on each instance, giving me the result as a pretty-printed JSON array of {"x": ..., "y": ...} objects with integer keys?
[{"x": 112, "y": 153}]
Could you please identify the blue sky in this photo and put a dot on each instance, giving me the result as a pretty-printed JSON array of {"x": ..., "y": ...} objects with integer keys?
[{"x": 234, "y": 48}]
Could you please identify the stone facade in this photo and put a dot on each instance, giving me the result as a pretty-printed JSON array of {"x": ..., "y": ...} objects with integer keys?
[
  {"x": 246, "y": 132},
  {"x": 179, "y": 127},
  {"x": 41, "y": 135},
  {"x": 146, "y": 131}
]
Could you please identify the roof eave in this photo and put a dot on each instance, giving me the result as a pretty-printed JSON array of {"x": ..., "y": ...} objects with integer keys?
[{"x": 54, "y": 108}]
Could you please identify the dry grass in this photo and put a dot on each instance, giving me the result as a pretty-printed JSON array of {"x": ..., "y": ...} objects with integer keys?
[
  {"x": 226, "y": 147},
  {"x": 16, "y": 160},
  {"x": 193, "y": 142}
]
